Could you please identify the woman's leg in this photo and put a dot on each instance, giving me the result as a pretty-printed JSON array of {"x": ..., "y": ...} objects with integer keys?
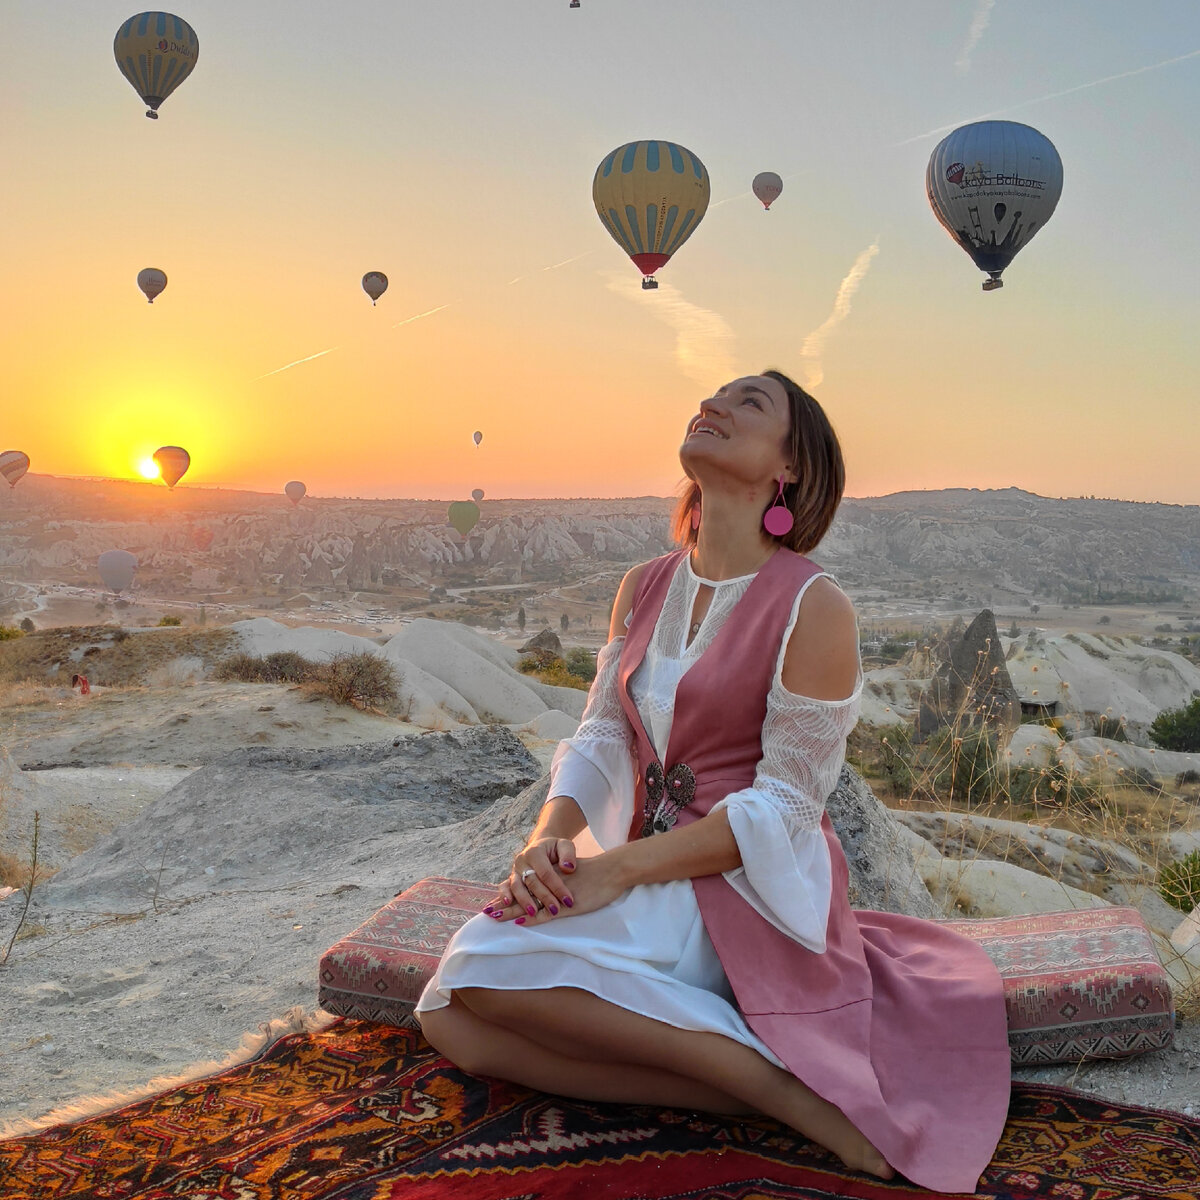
[
  {"x": 641, "y": 1060},
  {"x": 482, "y": 1048}
]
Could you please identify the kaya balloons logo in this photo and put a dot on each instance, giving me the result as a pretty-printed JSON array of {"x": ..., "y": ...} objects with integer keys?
[
  {"x": 978, "y": 177},
  {"x": 955, "y": 173}
]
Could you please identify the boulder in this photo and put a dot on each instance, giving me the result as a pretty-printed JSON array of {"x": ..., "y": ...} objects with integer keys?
[
  {"x": 971, "y": 685},
  {"x": 547, "y": 639}
]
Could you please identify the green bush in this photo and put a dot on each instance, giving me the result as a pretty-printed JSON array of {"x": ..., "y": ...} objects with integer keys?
[
  {"x": 1112, "y": 728},
  {"x": 1179, "y": 882},
  {"x": 364, "y": 680},
  {"x": 1186, "y": 777},
  {"x": 582, "y": 663},
  {"x": 966, "y": 766},
  {"x": 27, "y": 625},
  {"x": 1178, "y": 728},
  {"x": 169, "y": 621},
  {"x": 284, "y": 666},
  {"x": 8, "y": 632}
]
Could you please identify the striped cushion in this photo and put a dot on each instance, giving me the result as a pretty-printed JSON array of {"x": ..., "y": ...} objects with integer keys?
[{"x": 1079, "y": 985}]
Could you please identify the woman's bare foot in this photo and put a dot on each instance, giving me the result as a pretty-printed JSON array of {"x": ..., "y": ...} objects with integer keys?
[{"x": 867, "y": 1159}]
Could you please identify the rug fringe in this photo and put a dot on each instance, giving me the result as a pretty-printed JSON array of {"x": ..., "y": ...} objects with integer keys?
[{"x": 295, "y": 1020}]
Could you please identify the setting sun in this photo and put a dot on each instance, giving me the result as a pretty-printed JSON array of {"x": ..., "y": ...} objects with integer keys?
[{"x": 148, "y": 468}]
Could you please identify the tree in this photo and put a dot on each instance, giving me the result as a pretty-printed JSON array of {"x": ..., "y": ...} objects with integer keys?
[
  {"x": 521, "y": 618},
  {"x": 1178, "y": 728},
  {"x": 564, "y": 622},
  {"x": 1035, "y": 609},
  {"x": 27, "y": 625},
  {"x": 1014, "y": 630}
]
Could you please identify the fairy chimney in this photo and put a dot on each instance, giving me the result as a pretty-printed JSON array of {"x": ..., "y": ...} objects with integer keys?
[{"x": 971, "y": 685}]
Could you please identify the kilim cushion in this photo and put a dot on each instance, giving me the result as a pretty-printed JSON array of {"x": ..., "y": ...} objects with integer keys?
[{"x": 1079, "y": 985}]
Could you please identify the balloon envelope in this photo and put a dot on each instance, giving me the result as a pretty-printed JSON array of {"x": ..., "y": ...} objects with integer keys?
[
  {"x": 116, "y": 569},
  {"x": 294, "y": 491},
  {"x": 993, "y": 185},
  {"x": 374, "y": 284},
  {"x": 650, "y": 196},
  {"x": 477, "y": 437},
  {"x": 156, "y": 52},
  {"x": 767, "y": 187},
  {"x": 13, "y": 464},
  {"x": 172, "y": 461},
  {"x": 464, "y": 515},
  {"x": 152, "y": 281},
  {"x": 477, "y": 495}
]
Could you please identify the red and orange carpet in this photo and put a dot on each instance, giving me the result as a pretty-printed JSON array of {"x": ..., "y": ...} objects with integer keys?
[{"x": 367, "y": 1112}]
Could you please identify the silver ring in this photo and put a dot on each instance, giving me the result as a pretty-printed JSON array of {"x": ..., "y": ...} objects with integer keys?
[{"x": 527, "y": 871}]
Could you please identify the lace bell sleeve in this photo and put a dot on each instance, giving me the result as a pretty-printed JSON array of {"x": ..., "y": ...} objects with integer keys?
[
  {"x": 786, "y": 872},
  {"x": 595, "y": 767}
]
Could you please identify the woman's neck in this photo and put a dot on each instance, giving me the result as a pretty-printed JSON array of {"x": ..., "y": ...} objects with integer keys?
[{"x": 731, "y": 541}]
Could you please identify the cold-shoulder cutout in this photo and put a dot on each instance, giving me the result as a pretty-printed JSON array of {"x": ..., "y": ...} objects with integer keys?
[
  {"x": 623, "y": 604},
  {"x": 819, "y": 659}
]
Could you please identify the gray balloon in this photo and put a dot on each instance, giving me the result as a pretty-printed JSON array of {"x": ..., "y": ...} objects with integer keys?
[{"x": 116, "y": 569}]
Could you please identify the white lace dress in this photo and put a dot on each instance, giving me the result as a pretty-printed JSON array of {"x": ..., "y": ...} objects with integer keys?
[{"x": 648, "y": 951}]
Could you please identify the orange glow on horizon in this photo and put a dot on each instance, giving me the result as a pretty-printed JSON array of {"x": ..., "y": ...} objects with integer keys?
[{"x": 148, "y": 468}]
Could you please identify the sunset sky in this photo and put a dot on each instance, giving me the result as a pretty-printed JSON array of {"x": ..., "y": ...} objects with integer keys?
[{"x": 452, "y": 146}]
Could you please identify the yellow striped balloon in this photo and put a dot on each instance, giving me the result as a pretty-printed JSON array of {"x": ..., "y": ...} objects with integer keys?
[
  {"x": 13, "y": 465},
  {"x": 156, "y": 52},
  {"x": 651, "y": 196}
]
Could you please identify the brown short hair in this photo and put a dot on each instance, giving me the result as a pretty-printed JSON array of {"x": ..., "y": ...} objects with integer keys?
[{"x": 816, "y": 458}]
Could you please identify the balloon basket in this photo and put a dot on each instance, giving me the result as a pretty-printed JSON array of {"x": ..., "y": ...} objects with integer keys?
[
  {"x": 990, "y": 285},
  {"x": 649, "y": 285}
]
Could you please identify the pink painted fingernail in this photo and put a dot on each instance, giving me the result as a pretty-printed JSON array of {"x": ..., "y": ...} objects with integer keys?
[
  {"x": 519, "y": 921},
  {"x": 531, "y": 910},
  {"x": 568, "y": 902},
  {"x": 554, "y": 910},
  {"x": 487, "y": 908},
  {"x": 496, "y": 916},
  {"x": 569, "y": 866}
]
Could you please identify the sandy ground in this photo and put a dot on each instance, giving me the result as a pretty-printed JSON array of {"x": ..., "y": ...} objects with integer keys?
[{"x": 247, "y": 955}]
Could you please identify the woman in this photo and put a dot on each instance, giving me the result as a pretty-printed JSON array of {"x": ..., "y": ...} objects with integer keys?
[{"x": 708, "y": 958}]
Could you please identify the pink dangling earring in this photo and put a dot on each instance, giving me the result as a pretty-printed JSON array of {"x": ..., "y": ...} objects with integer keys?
[
  {"x": 778, "y": 519},
  {"x": 696, "y": 515}
]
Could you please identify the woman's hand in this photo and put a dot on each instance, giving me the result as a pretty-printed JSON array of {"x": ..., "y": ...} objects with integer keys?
[
  {"x": 595, "y": 882},
  {"x": 536, "y": 882}
]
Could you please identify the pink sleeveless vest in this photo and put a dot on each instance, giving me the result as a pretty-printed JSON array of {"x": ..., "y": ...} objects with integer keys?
[{"x": 900, "y": 1023}]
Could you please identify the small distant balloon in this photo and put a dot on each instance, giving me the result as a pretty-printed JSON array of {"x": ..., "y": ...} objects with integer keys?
[
  {"x": 993, "y": 185},
  {"x": 294, "y": 491},
  {"x": 374, "y": 284},
  {"x": 116, "y": 569},
  {"x": 477, "y": 494},
  {"x": 477, "y": 437},
  {"x": 173, "y": 462},
  {"x": 767, "y": 187},
  {"x": 464, "y": 516},
  {"x": 13, "y": 465},
  {"x": 202, "y": 537},
  {"x": 156, "y": 52},
  {"x": 152, "y": 281},
  {"x": 650, "y": 197}
]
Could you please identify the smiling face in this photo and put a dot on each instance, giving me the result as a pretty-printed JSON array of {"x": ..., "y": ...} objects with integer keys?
[{"x": 743, "y": 432}]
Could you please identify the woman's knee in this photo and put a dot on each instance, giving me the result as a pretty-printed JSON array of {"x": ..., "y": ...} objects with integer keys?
[{"x": 446, "y": 1030}]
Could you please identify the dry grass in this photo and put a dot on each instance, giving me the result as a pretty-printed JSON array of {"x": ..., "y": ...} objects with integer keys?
[{"x": 106, "y": 654}]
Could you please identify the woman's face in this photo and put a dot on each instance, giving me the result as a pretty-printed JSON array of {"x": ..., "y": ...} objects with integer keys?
[{"x": 741, "y": 431}]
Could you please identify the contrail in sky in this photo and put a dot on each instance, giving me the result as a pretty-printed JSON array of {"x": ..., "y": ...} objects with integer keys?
[
  {"x": 814, "y": 344},
  {"x": 554, "y": 266},
  {"x": 1166, "y": 62},
  {"x": 287, "y": 366},
  {"x": 428, "y": 313},
  {"x": 979, "y": 22},
  {"x": 703, "y": 339}
]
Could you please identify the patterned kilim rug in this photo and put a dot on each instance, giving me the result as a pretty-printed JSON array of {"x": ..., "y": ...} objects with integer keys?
[{"x": 368, "y": 1112}]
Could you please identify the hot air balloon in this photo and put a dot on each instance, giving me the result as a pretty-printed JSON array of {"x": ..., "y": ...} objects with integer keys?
[
  {"x": 993, "y": 185},
  {"x": 173, "y": 462},
  {"x": 156, "y": 52},
  {"x": 767, "y": 187},
  {"x": 13, "y": 464},
  {"x": 650, "y": 196},
  {"x": 152, "y": 281},
  {"x": 477, "y": 437},
  {"x": 294, "y": 491},
  {"x": 477, "y": 495},
  {"x": 464, "y": 515},
  {"x": 374, "y": 284},
  {"x": 116, "y": 569}
]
